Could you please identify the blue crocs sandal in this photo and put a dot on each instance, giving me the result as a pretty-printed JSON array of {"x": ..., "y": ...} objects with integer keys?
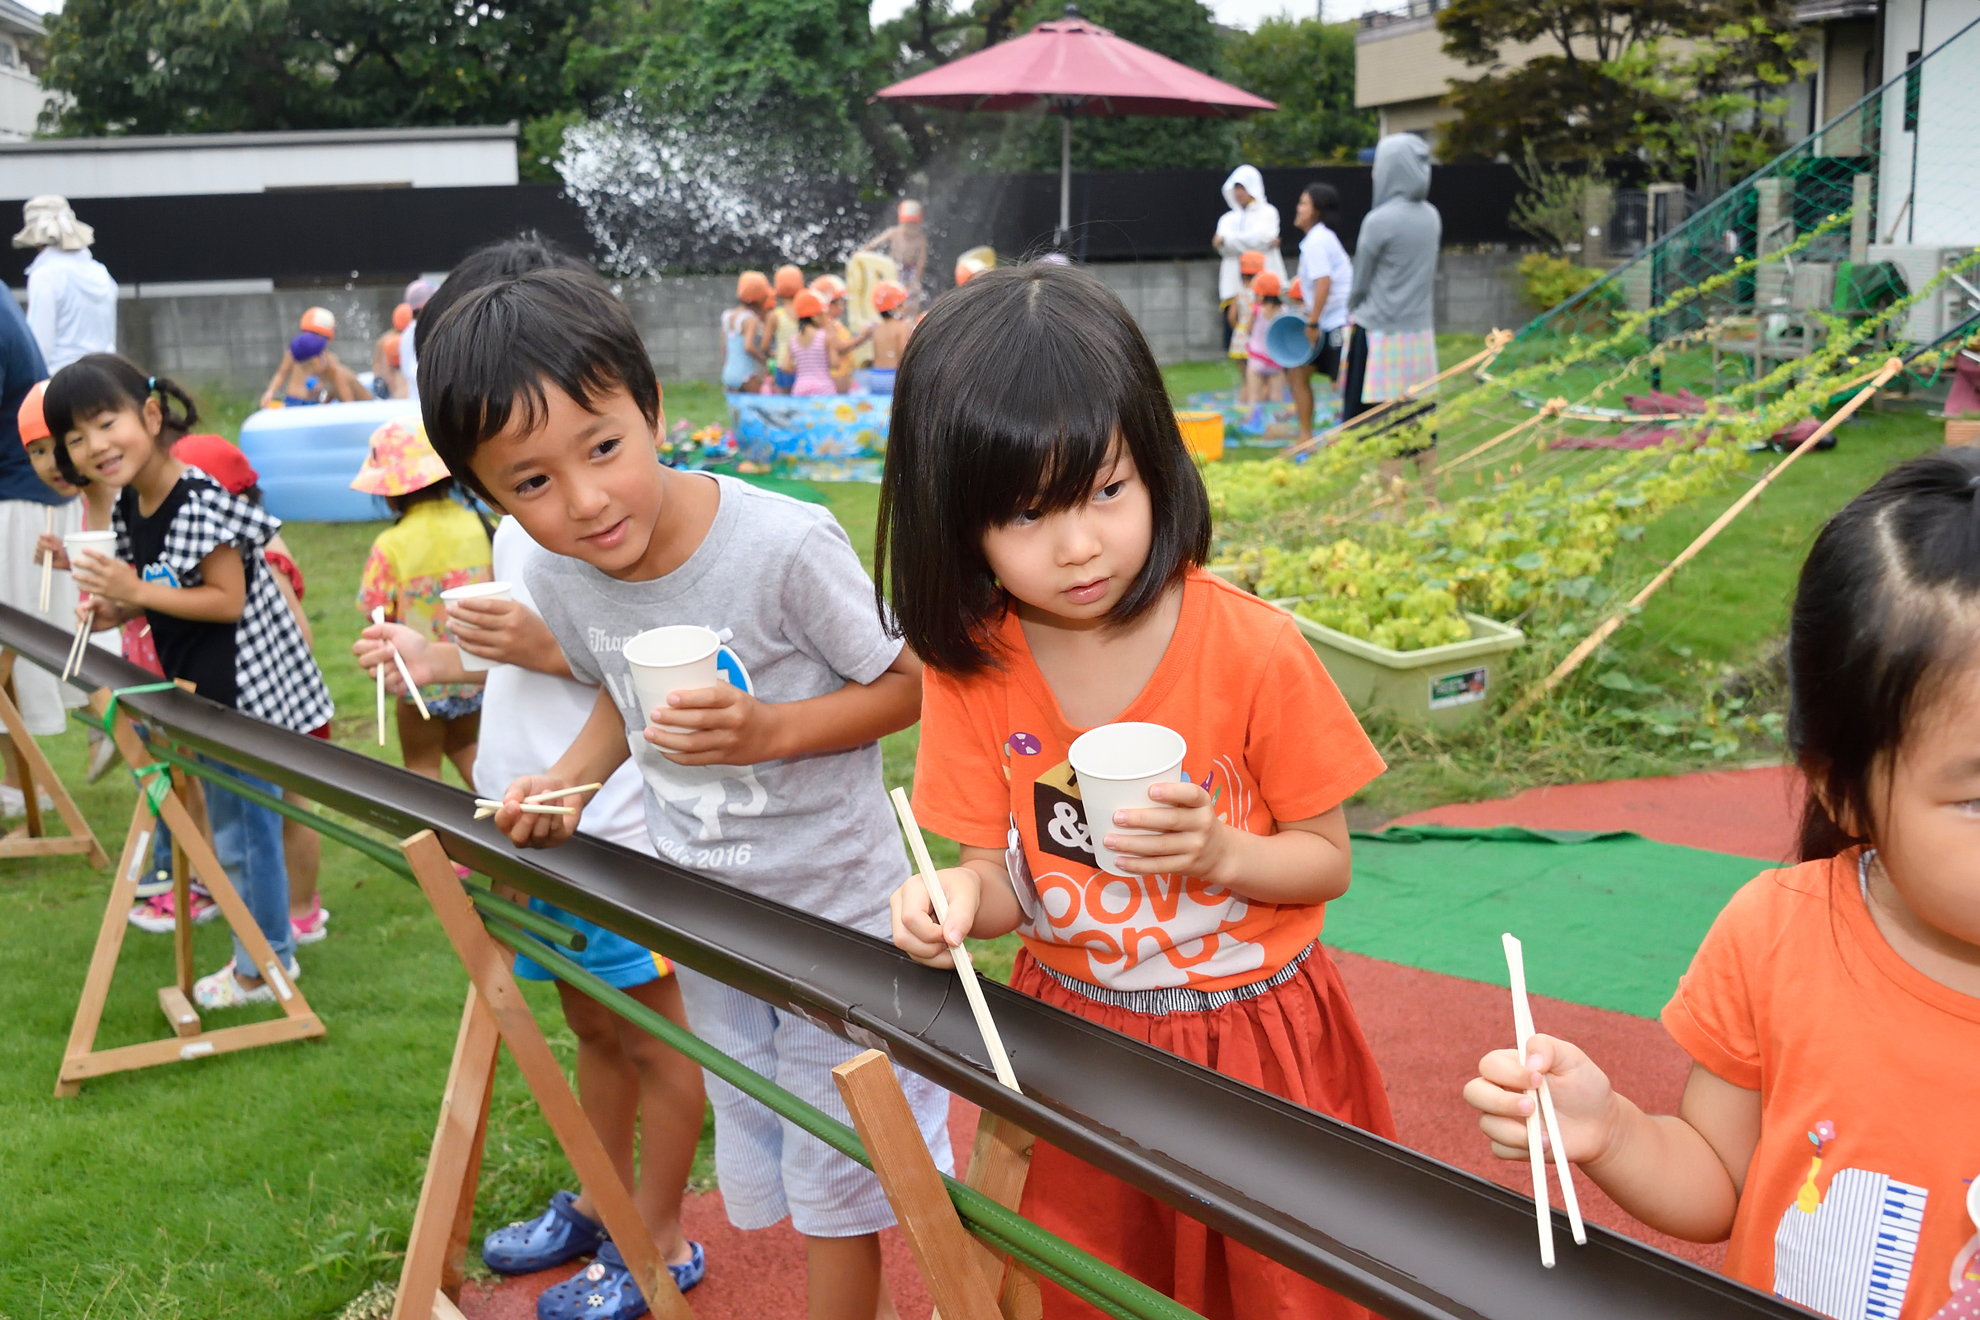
[
  {"x": 558, "y": 1235},
  {"x": 604, "y": 1289}
]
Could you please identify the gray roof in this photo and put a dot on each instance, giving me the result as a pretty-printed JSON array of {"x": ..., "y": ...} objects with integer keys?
[
  {"x": 20, "y": 18},
  {"x": 223, "y": 141}
]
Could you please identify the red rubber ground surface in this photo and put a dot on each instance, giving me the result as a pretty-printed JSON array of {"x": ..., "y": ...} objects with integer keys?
[
  {"x": 1749, "y": 813},
  {"x": 1428, "y": 1031}
]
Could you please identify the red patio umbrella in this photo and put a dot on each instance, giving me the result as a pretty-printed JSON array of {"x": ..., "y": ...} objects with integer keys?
[{"x": 1072, "y": 67}]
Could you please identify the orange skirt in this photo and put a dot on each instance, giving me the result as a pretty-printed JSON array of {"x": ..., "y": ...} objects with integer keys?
[{"x": 1300, "y": 1041}]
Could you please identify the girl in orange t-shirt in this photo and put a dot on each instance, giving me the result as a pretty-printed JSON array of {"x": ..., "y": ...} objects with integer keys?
[
  {"x": 1833, "y": 1012},
  {"x": 1044, "y": 527}
]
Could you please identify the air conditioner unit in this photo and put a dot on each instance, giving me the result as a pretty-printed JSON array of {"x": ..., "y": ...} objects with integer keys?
[{"x": 1947, "y": 305}]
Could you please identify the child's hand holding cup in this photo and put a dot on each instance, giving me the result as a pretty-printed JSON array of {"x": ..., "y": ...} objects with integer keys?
[
  {"x": 1117, "y": 765},
  {"x": 481, "y": 593},
  {"x": 677, "y": 658}
]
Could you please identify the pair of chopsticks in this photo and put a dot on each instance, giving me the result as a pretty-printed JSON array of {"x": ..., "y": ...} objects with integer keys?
[
  {"x": 1543, "y": 1112},
  {"x": 77, "y": 645},
  {"x": 533, "y": 805},
  {"x": 378, "y": 617},
  {"x": 48, "y": 565},
  {"x": 999, "y": 1061}
]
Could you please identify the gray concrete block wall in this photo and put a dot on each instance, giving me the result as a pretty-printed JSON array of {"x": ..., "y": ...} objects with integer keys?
[{"x": 236, "y": 340}]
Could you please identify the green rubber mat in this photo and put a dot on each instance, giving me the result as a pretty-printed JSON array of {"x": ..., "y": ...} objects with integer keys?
[{"x": 1607, "y": 920}]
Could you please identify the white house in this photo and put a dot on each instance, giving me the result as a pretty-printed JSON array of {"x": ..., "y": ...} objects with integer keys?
[{"x": 21, "y": 95}]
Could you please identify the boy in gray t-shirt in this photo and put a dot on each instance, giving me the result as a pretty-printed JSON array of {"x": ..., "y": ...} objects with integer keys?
[{"x": 538, "y": 393}]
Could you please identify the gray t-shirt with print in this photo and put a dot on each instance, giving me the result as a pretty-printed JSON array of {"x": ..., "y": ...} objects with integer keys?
[{"x": 812, "y": 832}]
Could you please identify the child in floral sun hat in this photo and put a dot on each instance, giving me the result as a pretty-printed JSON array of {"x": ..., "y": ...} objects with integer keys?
[{"x": 435, "y": 543}]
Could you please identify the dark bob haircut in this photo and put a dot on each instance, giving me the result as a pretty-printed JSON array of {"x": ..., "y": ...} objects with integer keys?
[
  {"x": 1325, "y": 200},
  {"x": 1887, "y": 610},
  {"x": 1010, "y": 396},
  {"x": 104, "y": 382},
  {"x": 488, "y": 360}
]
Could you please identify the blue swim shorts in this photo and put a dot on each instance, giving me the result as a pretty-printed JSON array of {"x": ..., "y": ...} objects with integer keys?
[{"x": 613, "y": 959}]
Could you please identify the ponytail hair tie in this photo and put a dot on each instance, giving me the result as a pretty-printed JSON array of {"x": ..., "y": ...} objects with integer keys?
[{"x": 151, "y": 382}]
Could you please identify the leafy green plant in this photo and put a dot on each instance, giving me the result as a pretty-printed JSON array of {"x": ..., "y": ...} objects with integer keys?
[{"x": 1547, "y": 281}]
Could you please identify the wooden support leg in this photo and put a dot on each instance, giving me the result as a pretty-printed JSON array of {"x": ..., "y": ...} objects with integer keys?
[
  {"x": 109, "y": 943},
  {"x": 182, "y": 923},
  {"x": 999, "y": 1162},
  {"x": 487, "y": 964},
  {"x": 914, "y": 1188},
  {"x": 452, "y": 1167},
  {"x": 37, "y": 776}
]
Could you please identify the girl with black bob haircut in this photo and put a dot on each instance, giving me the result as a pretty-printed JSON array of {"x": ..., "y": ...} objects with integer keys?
[
  {"x": 1044, "y": 530},
  {"x": 1832, "y": 1009},
  {"x": 1012, "y": 395},
  {"x": 101, "y": 383}
]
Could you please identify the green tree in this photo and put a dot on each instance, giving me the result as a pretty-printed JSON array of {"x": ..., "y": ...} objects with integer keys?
[
  {"x": 1719, "y": 102},
  {"x": 1307, "y": 67},
  {"x": 190, "y": 66},
  {"x": 1567, "y": 102}
]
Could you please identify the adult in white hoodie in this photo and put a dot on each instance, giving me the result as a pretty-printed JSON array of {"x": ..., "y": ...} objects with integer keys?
[
  {"x": 72, "y": 301},
  {"x": 1251, "y": 225}
]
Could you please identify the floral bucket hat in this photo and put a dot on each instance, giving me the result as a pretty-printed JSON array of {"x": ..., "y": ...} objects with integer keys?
[{"x": 400, "y": 461}]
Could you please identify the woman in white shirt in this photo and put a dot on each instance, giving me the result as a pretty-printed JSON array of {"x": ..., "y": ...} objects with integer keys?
[
  {"x": 72, "y": 301},
  {"x": 1326, "y": 275},
  {"x": 1251, "y": 225}
]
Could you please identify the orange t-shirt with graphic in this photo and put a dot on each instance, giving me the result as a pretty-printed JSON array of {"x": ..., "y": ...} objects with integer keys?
[
  {"x": 1268, "y": 736},
  {"x": 1868, "y": 1070}
]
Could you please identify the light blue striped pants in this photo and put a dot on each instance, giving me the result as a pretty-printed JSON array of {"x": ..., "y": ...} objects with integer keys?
[{"x": 769, "y": 1168}]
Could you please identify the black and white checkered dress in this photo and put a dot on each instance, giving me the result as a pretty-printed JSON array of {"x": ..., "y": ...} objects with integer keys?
[{"x": 276, "y": 678}]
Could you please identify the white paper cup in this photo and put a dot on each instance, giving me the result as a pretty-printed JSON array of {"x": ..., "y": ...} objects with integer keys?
[
  {"x": 474, "y": 591},
  {"x": 1117, "y": 764},
  {"x": 678, "y": 658},
  {"x": 99, "y": 543}
]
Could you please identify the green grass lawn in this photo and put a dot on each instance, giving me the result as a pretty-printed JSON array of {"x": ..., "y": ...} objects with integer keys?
[{"x": 281, "y": 1182}]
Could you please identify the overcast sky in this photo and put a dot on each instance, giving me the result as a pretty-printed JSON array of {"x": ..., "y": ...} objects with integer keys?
[{"x": 1245, "y": 14}]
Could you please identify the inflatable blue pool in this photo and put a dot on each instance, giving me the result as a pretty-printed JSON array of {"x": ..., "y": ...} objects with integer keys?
[
  {"x": 825, "y": 437},
  {"x": 307, "y": 456}
]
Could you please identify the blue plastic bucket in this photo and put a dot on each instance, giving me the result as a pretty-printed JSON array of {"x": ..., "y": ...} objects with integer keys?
[{"x": 1286, "y": 342}]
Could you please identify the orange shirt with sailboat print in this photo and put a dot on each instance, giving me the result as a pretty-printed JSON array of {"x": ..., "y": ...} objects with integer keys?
[{"x": 1268, "y": 736}]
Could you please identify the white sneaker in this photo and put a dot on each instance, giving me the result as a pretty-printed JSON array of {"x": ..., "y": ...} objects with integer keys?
[
  {"x": 223, "y": 990},
  {"x": 13, "y": 802}
]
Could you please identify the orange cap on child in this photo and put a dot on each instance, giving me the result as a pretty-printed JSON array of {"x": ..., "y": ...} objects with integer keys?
[
  {"x": 402, "y": 316},
  {"x": 789, "y": 282},
  {"x": 320, "y": 321},
  {"x": 1265, "y": 284},
  {"x": 888, "y": 295},
  {"x": 752, "y": 287},
  {"x": 1251, "y": 263},
  {"x": 33, "y": 425},
  {"x": 806, "y": 305}
]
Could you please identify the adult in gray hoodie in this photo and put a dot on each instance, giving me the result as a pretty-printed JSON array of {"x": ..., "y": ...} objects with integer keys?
[{"x": 1394, "y": 344}]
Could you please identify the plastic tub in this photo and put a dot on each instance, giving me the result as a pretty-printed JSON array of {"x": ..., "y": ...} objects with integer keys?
[
  {"x": 1202, "y": 433},
  {"x": 1286, "y": 341},
  {"x": 1443, "y": 687},
  {"x": 305, "y": 458}
]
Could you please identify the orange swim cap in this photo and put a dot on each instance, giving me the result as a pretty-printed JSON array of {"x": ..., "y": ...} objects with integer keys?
[
  {"x": 909, "y": 212},
  {"x": 828, "y": 288},
  {"x": 33, "y": 425},
  {"x": 806, "y": 305},
  {"x": 1265, "y": 284},
  {"x": 320, "y": 321},
  {"x": 790, "y": 282},
  {"x": 888, "y": 295},
  {"x": 392, "y": 348},
  {"x": 752, "y": 287},
  {"x": 1251, "y": 263},
  {"x": 402, "y": 316}
]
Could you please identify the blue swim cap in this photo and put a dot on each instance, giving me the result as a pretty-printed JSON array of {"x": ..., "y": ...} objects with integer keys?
[{"x": 306, "y": 346}]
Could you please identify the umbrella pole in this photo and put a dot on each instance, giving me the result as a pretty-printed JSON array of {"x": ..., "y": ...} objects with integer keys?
[{"x": 1065, "y": 178}]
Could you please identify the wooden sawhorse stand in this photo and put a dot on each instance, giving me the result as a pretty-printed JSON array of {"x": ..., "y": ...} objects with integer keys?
[
  {"x": 495, "y": 1013},
  {"x": 32, "y": 838},
  {"x": 963, "y": 1275},
  {"x": 190, "y": 852}
]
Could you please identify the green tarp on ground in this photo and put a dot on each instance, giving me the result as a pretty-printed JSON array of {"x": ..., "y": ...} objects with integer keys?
[{"x": 1608, "y": 920}]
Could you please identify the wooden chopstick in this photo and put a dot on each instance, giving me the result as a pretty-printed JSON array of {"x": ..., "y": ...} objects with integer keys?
[
  {"x": 378, "y": 617},
  {"x": 48, "y": 564},
  {"x": 547, "y": 794},
  {"x": 1543, "y": 1115},
  {"x": 486, "y": 807},
  {"x": 999, "y": 1061}
]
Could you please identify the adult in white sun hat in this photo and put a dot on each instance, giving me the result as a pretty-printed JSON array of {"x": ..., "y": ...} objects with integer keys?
[{"x": 72, "y": 301}]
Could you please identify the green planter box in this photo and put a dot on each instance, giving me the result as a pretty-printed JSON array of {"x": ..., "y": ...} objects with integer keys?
[{"x": 1443, "y": 687}]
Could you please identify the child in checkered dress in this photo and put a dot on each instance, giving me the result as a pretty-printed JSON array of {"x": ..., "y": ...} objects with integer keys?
[{"x": 188, "y": 560}]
